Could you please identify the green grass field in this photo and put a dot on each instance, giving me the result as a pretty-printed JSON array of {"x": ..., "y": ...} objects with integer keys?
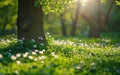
[{"x": 63, "y": 56}]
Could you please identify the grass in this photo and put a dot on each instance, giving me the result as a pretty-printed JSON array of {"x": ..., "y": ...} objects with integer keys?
[{"x": 63, "y": 56}]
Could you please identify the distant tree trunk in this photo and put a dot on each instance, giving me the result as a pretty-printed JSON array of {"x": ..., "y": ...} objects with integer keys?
[
  {"x": 63, "y": 27},
  {"x": 4, "y": 26},
  {"x": 30, "y": 21},
  {"x": 93, "y": 30},
  {"x": 103, "y": 18},
  {"x": 74, "y": 24},
  {"x": 107, "y": 15}
]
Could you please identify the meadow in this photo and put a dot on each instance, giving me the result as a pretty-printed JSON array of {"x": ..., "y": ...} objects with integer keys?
[{"x": 62, "y": 56}]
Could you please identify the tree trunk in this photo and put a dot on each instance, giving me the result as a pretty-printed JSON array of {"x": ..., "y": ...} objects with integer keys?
[
  {"x": 93, "y": 30},
  {"x": 107, "y": 15},
  {"x": 4, "y": 26},
  {"x": 30, "y": 21},
  {"x": 74, "y": 24},
  {"x": 63, "y": 27}
]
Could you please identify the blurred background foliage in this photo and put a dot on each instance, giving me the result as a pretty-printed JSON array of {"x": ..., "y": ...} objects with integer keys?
[{"x": 63, "y": 19}]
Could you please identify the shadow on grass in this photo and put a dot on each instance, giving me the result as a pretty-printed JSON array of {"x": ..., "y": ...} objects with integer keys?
[{"x": 20, "y": 48}]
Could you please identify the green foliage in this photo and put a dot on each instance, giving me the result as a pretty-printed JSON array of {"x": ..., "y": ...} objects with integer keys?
[
  {"x": 8, "y": 14},
  {"x": 64, "y": 56},
  {"x": 117, "y": 2},
  {"x": 52, "y": 5}
]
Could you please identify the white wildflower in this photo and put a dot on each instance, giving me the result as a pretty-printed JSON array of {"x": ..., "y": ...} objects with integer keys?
[
  {"x": 30, "y": 57},
  {"x": 34, "y": 46},
  {"x": 20, "y": 40},
  {"x": 18, "y": 62},
  {"x": 36, "y": 59},
  {"x": 16, "y": 72},
  {"x": 42, "y": 58},
  {"x": 1, "y": 56},
  {"x": 48, "y": 33},
  {"x": 25, "y": 55},
  {"x": 93, "y": 63},
  {"x": 23, "y": 38},
  {"x": 18, "y": 55},
  {"x": 13, "y": 57},
  {"x": 53, "y": 53},
  {"x": 55, "y": 56},
  {"x": 41, "y": 44},
  {"x": 43, "y": 50},
  {"x": 40, "y": 52},
  {"x": 42, "y": 62},
  {"x": 77, "y": 67},
  {"x": 36, "y": 50},
  {"x": 33, "y": 53},
  {"x": 40, "y": 38},
  {"x": 33, "y": 40}
]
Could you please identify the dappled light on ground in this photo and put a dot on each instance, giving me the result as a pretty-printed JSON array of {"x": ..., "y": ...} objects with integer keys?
[{"x": 75, "y": 56}]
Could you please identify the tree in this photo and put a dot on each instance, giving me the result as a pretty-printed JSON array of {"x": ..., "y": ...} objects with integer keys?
[
  {"x": 30, "y": 18},
  {"x": 30, "y": 21},
  {"x": 63, "y": 26},
  {"x": 74, "y": 24},
  {"x": 7, "y": 19},
  {"x": 97, "y": 20}
]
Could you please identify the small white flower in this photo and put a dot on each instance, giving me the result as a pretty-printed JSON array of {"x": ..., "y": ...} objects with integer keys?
[
  {"x": 25, "y": 55},
  {"x": 34, "y": 46},
  {"x": 36, "y": 50},
  {"x": 40, "y": 38},
  {"x": 77, "y": 67},
  {"x": 20, "y": 40},
  {"x": 42, "y": 58},
  {"x": 23, "y": 38},
  {"x": 53, "y": 53},
  {"x": 93, "y": 63},
  {"x": 16, "y": 72},
  {"x": 1, "y": 56},
  {"x": 30, "y": 57},
  {"x": 33, "y": 40},
  {"x": 41, "y": 44},
  {"x": 18, "y": 55},
  {"x": 40, "y": 52},
  {"x": 18, "y": 62},
  {"x": 43, "y": 50},
  {"x": 55, "y": 56},
  {"x": 13, "y": 57},
  {"x": 34, "y": 53},
  {"x": 48, "y": 33},
  {"x": 42, "y": 62},
  {"x": 35, "y": 59}
]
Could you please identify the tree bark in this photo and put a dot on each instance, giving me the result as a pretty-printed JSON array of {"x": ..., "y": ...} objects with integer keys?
[
  {"x": 4, "y": 26},
  {"x": 108, "y": 12},
  {"x": 93, "y": 30},
  {"x": 63, "y": 27},
  {"x": 30, "y": 21},
  {"x": 74, "y": 24}
]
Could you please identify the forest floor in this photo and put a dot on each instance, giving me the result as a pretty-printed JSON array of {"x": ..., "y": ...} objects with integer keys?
[{"x": 63, "y": 56}]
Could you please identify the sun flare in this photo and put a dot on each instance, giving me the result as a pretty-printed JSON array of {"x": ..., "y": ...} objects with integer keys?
[{"x": 83, "y": 2}]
